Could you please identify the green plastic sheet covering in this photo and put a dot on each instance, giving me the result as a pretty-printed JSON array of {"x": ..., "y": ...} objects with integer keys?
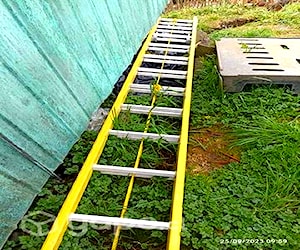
[{"x": 58, "y": 61}]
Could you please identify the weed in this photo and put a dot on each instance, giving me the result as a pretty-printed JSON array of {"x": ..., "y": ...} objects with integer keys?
[
  {"x": 282, "y": 23},
  {"x": 209, "y": 107},
  {"x": 162, "y": 100},
  {"x": 266, "y": 131},
  {"x": 134, "y": 122},
  {"x": 52, "y": 195},
  {"x": 127, "y": 121},
  {"x": 258, "y": 197}
]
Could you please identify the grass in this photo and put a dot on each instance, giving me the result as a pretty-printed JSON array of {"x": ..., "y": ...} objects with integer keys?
[
  {"x": 135, "y": 122},
  {"x": 210, "y": 107},
  {"x": 269, "y": 23},
  {"x": 266, "y": 131},
  {"x": 162, "y": 100},
  {"x": 256, "y": 198}
]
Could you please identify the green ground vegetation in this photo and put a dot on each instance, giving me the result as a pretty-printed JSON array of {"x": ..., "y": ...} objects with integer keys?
[
  {"x": 257, "y": 198},
  {"x": 284, "y": 23},
  {"x": 251, "y": 204}
]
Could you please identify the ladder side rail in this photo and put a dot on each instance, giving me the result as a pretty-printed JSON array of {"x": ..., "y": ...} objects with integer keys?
[
  {"x": 60, "y": 224},
  {"x": 178, "y": 190}
]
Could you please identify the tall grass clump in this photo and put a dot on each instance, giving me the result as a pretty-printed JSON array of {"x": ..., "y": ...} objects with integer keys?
[{"x": 268, "y": 132}]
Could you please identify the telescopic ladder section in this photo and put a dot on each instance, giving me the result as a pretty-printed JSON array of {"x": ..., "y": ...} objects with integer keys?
[{"x": 166, "y": 38}]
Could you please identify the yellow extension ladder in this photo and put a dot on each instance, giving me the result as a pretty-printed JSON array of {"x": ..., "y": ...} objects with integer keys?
[{"x": 168, "y": 36}]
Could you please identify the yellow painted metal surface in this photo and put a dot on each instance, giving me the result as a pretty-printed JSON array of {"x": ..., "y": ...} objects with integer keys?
[
  {"x": 60, "y": 225},
  {"x": 178, "y": 191}
]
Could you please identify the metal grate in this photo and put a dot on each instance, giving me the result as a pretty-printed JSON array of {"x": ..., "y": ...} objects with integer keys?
[{"x": 244, "y": 61}]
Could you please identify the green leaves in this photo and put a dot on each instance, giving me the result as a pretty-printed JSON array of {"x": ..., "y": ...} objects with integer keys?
[
  {"x": 257, "y": 198},
  {"x": 233, "y": 215}
]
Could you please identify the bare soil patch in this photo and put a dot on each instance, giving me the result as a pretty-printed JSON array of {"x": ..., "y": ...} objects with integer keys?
[
  {"x": 209, "y": 150},
  {"x": 237, "y": 22}
]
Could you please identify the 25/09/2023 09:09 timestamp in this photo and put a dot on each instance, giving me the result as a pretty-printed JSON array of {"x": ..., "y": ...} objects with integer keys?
[{"x": 253, "y": 241}]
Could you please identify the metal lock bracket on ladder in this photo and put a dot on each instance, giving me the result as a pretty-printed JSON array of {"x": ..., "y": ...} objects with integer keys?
[{"x": 167, "y": 37}]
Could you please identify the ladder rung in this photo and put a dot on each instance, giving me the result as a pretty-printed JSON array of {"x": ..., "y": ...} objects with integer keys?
[
  {"x": 187, "y": 32},
  {"x": 166, "y": 92},
  {"x": 162, "y": 111},
  {"x": 164, "y": 88},
  {"x": 160, "y": 26},
  {"x": 177, "y": 20},
  {"x": 141, "y": 135},
  {"x": 166, "y": 71},
  {"x": 155, "y": 75},
  {"x": 115, "y": 221},
  {"x": 145, "y": 88},
  {"x": 177, "y": 58},
  {"x": 165, "y": 45},
  {"x": 137, "y": 172},
  {"x": 174, "y": 40},
  {"x": 166, "y": 35},
  {"x": 168, "y": 50},
  {"x": 165, "y": 61},
  {"x": 176, "y": 24}
]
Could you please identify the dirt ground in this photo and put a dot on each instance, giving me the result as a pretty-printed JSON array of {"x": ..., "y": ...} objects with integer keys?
[{"x": 209, "y": 149}]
